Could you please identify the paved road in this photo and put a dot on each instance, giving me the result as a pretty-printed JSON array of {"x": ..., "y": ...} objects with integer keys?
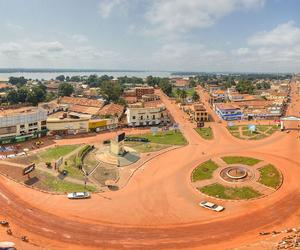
[{"x": 158, "y": 207}]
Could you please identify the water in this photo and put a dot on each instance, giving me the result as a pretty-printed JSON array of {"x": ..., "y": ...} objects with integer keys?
[{"x": 53, "y": 75}]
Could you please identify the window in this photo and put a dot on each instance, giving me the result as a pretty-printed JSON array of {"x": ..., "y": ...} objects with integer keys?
[
  {"x": 142, "y": 117},
  {"x": 153, "y": 117},
  {"x": 133, "y": 117}
]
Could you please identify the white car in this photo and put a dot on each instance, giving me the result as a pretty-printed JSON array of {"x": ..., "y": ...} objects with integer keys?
[
  {"x": 79, "y": 195},
  {"x": 211, "y": 206}
]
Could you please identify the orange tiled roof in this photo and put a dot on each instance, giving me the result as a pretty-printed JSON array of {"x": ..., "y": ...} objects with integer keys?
[
  {"x": 84, "y": 109},
  {"x": 112, "y": 109},
  {"x": 81, "y": 101}
]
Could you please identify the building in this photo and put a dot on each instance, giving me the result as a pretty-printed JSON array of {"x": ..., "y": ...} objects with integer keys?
[
  {"x": 137, "y": 93},
  {"x": 146, "y": 114},
  {"x": 227, "y": 111},
  {"x": 67, "y": 125},
  {"x": 98, "y": 125},
  {"x": 112, "y": 110},
  {"x": 141, "y": 91},
  {"x": 21, "y": 124},
  {"x": 180, "y": 83},
  {"x": 199, "y": 113},
  {"x": 52, "y": 107},
  {"x": 82, "y": 105},
  {"x": 217, "y": 96}
]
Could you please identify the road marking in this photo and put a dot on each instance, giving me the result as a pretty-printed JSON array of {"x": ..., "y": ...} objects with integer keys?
[{"x": 5, "y": 198}]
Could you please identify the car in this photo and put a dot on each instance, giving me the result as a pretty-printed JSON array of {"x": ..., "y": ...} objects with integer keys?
[
  {"x": 79, "y": 195},
  {"x": 4, "y": 223},
  {"x": 211, "y": 206}
]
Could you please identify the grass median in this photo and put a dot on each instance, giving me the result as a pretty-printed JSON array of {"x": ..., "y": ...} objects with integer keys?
[
  {"x": 240, "y": 160},
  {"x": 230, "y": 193},
  {"x": 204, "y": 171},
  {"x": 205, "y": 133},
  {"x": 269, "y": 176}
]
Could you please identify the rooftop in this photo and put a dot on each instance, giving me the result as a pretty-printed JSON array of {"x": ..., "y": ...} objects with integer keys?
[{"x": 82, "y": 101}]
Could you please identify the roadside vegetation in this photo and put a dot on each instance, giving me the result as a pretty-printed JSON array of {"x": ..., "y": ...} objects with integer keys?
[
  {"x": 204, "y": 171},
  {"x": 262, "y": 131},
  {"x": 231, "y": 193},
  {"x": 146, "y": 147},
  {"x": 240, "y": 160},
  {"x": 205, "y": 133},
  {"x": 54, "y": 153},
  {"x": 269, "y": 176},
  {"x": 169, "y": 138},
  {"x": 54, "y": 184}
]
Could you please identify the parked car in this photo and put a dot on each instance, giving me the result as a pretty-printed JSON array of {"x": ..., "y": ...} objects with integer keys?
[
  {"x": 6, "y": 245},
  {"x": 4, "y": 223},
  {"x": 211, "y": 206},
  {"x": 79, "y": 195}
]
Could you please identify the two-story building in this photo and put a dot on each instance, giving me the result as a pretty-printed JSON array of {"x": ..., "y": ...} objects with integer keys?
[
  {"x": 146, "y": 114},
  {"x": 22, "y": 124},
  {"x": 227, "y": 111}
]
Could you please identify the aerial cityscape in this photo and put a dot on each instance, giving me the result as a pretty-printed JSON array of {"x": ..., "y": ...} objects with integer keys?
[{"x": 151, "y": 124}]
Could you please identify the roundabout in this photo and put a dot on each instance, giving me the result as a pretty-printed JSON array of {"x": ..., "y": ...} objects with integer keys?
[
  {"x": 157, "y": 208},
  {"x": 236, "y": 178}
]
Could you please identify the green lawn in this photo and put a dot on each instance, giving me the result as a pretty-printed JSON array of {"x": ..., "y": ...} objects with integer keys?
[
  {"x": 54, "y": 153},
  {"x": 170, "y": 138},
  {"x": 72, "y": 168},
  {"x": 205, "y": 133},
  {"x": 204, "y": 171},
  {"x": 240, "y": 160},
  {"x": 269, "y": 176},
  {"x": 231, "y": 193},
  {"x": 52, "y": 183},
  {"x": 146, "y": 147}
]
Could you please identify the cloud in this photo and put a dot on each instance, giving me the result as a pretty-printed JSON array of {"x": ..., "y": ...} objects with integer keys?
[
  {"x": 10, "y": 49},
  {"x": 78, "y": 38},
  {"x": 55, "y": 54},
  {"x": 283, "y": 35},
  {"x": 105, "y": 7},
  {"x": 13, "y": 27},
  {"x": 241, "y": 51},
  {"x": 183, "y": 16}
]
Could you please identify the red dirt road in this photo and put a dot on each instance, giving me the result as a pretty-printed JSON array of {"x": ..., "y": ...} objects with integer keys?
[{"x": 158, "y": 208}]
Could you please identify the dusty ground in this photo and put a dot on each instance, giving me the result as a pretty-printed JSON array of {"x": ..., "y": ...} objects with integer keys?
[{"x": 158, "y": 208}]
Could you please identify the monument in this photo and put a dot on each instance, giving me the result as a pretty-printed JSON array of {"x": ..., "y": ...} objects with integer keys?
[{"x": 117, "y": 145}]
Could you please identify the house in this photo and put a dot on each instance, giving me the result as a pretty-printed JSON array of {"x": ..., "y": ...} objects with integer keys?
[
  {"x": 227, "y": 111},
  {"x": 112, "y": 110},
  {"x": 217, "y": 96},
  {"x": 146, "y": 114},
  {"x": 82, "y": 105}
]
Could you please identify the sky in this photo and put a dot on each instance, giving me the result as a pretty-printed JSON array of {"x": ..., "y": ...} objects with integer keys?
[{"x": 154, "y": 35}]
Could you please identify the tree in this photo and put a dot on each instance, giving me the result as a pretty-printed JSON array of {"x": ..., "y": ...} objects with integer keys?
[
  {"x": 195, "y": 97},
  {"x": 65, "y": 89},
  {"x": 17, "y": 80},
  {"x": 165, "y": 86},
  {"x": 60, "y": 78},
  {"x": 111, "y": 91},
  {"x": 183, "y": 94},
  {"x": 192, "y": 83},
  {"x": 245, "y": 87},
  {"x": 12, "y": 97}
]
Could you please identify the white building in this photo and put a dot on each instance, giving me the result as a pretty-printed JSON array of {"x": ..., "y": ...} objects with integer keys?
[
  {"x": 21, "y": 124},
  {"x": 147, "y": 114}
]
